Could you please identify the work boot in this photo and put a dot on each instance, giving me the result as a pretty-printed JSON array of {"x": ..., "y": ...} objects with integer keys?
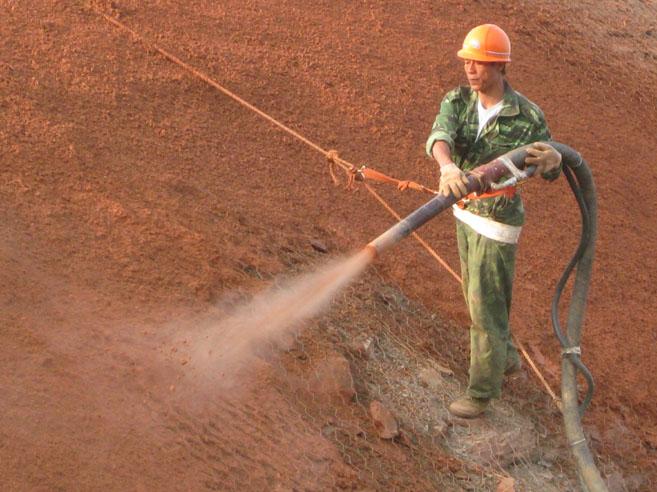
[
  {"x": 512, "y": 366},
  {"x": 468, "y": 407}
]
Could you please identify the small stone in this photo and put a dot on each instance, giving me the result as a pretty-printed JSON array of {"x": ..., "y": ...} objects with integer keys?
[
  {"x": 333, "y": 378},
  {"x": 384, "y": 422},
  {"x": 430, "y": 378},
  {"x": 507, "y": 484},
  {"x": 439, "y": 428},
  {"x": 318, "y": 245},
  {"x": 362, "y": 347},
  {"x": 328, "y": 430}
]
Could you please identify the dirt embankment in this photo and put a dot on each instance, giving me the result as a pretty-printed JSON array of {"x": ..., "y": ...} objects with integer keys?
[{"x": 136, "y": 199}]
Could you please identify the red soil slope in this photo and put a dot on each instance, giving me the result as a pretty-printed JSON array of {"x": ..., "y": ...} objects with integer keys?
[{"x": 134, "y": 195}]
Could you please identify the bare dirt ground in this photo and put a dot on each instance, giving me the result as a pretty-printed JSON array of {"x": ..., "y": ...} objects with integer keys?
[{"x": 138, "y": 204}]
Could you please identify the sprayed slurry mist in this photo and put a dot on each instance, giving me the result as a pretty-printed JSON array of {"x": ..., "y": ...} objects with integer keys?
[{"x": 224, "y": 348}]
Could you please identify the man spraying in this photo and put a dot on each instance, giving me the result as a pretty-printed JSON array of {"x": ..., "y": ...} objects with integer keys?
[{"x": 476, "y": 124}]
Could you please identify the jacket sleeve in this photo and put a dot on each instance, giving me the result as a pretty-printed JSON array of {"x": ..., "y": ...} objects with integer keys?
[
  {"x": 446, "y": 123},
  {"x": 541, "y": 131}
]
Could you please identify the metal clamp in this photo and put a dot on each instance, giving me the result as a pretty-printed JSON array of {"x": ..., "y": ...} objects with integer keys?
[
  {"x": 518, "y": 175},
  {"x": 508, "y": 163},
  {"x": 577, "y": 350}
]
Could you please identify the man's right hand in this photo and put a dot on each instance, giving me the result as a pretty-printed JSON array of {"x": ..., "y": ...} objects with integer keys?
[{"x": 452, "y": 180}]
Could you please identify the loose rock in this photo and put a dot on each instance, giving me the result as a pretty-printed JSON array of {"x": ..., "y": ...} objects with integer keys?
[
  {"x": 333, "y": 379},
  {"x": 362, "y": 347},
  {"x": 430, "y": 378},
  {"x": 384, "y": 422},
  {"x": 507, "y": 484},
  {"x": 318, "y": 246},
  {"x": 439, "y": 428}
]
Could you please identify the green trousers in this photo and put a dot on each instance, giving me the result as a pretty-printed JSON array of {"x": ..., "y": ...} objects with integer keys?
[{"x": 487, "y": 268}]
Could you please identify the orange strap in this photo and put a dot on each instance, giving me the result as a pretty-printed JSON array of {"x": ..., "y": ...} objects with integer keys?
[
  {"x": 509, "y": 192},
  {"x": 365, "y": 173},
  {"x": 354, "y": 174},
  {"x": 402, "y": 185}
]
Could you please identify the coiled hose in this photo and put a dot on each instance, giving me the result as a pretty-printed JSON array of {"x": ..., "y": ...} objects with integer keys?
[
  {"x": 579, "y": 177},
  {"x": 573, "y": 353}
]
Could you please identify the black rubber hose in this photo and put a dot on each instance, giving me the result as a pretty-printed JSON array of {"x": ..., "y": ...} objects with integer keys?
[
  {"x": 580, "y": 179},
  {"x": 584, "y": 242}
]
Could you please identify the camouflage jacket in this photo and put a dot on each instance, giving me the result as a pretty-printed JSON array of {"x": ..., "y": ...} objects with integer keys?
[{"x": 519, "y": 122}]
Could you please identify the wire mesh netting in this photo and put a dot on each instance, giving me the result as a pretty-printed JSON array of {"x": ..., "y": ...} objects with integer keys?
[{"x": 331, "y": 403}]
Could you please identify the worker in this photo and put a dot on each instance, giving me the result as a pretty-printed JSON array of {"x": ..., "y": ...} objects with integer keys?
[{"x": 476, "y": 124}]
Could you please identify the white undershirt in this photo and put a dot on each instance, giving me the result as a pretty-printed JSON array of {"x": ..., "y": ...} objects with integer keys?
[{"x": 485, "y": 115}]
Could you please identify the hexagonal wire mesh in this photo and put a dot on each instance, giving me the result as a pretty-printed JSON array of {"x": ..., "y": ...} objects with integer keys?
[{"x": 356, "y": 398}]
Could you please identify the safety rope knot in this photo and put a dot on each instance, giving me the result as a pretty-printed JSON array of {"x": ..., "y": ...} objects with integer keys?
[
  {"x": 352, "y": 172},
  {"x": 405, "y": 184},
  {"x": 332, "y": 156}
]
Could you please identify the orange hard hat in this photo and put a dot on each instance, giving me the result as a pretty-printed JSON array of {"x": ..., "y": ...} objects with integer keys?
[{"x": 488, "y": 43}]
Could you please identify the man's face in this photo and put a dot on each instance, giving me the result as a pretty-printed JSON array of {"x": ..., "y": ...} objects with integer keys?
[{"x": 483, "y": 75}]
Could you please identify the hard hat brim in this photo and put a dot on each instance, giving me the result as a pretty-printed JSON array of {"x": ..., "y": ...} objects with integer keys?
[{"x": 467, "y": 54}]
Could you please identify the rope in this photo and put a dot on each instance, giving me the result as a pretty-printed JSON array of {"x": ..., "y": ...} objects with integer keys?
[
  {"x": 426, "y": 246},
  {"x": 214, "y": 84},
  {"x": 334, "y": 160},
  {"x": 539, "y": 375}
]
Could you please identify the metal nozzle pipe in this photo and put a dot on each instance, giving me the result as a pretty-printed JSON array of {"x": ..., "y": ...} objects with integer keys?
[{"x": 479, "y": 180}]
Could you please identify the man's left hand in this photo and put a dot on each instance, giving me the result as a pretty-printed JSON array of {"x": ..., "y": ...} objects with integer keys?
[{"x": 546, "y": 159}]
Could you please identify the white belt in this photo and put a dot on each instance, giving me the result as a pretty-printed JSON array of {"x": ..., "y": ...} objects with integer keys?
[{"x": 503, "y": 233}]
